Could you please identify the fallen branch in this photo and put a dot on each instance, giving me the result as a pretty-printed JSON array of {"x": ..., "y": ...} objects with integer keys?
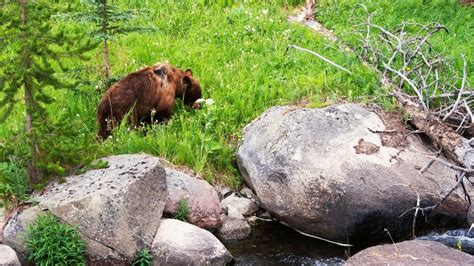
[
  {"x": 316, "y": 237},
  {"x": 318, "y": 56}
]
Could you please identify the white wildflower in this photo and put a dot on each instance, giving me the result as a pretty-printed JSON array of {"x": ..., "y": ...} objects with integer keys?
[{"x": 209, "y": 101}]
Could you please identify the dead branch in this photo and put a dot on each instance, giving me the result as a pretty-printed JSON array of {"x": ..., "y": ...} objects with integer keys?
[
  {"x": 319, "y": 56},
  {"x": 409, "y": 65}
]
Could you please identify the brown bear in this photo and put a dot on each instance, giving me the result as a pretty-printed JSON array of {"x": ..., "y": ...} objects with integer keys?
[{"x": 151, "y": 89}]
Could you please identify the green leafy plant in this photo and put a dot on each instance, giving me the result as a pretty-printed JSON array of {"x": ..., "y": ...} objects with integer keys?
[
  {"x": 183, "y": 210},
  {"x": 459, "y": 245},
  {"x": 143, "y": 258},
  {"x": 52, "y": 243},
  {"x": 14, "y": 184}
]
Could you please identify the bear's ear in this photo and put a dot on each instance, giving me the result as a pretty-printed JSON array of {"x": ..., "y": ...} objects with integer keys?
[
  {"x": 187, "y": 81},
  {"x": 189, "y": 71}
]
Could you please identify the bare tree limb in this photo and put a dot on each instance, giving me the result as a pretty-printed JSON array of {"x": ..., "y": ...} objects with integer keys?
[{"x": 319, "y": 56}]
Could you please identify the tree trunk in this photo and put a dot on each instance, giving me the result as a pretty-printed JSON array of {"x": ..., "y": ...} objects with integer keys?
[
  {"x": 466, "y": 2},
  {"x": 106, "y": 46},
  {"x": 455, "y": 147},
  {"x": 29, "y": 105},
  {"x": 309, "y": 9},
  {"x": 106, "y": 60}
]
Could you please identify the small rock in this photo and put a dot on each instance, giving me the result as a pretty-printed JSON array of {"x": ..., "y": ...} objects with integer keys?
[
  {"x": 239, "y": 207},
  {"x": 233, "y": 229},
  {"x": 252, "y": 220},
  {"x": 413, "y": 252},
  {"x": 248, "y": 193},
  {"x": 202, "y": 199},
  {"x": 266, "y": 215},
  {"x": 8, "y": 256},
  {"x": 224, "y": 192},
  {"x": 180, "y": 243}
]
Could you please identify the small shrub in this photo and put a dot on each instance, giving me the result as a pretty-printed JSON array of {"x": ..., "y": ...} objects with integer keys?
[
  {"x": 183, "y": 211},
  {"x": 143, "y": 258},
  {"x": 51, "y": 243},
  {"x": 14, "y": 184}
]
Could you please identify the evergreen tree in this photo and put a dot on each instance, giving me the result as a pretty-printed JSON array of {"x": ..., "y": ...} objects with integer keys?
[
  {"x": 108, "y": 21},
  {"x": 33, "y": 52}
]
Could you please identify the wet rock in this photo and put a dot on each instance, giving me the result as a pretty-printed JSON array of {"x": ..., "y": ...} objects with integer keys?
[
  {"x": 8, "y": 256},
  {"x": 470, "y": 215},
  {"x": 202, "y": 199},
  {"x": 238, "y": 207},
  {"x": 413, "y": 252},
  {"x": 328, "y": 173},
  {"x": 180, "y": 243},
  {"x": 233, "y": 229},
  {"x": 117, "y": 210}
]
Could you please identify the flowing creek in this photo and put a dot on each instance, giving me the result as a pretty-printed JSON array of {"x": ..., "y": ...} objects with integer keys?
[{"x": 272, "y": 243}]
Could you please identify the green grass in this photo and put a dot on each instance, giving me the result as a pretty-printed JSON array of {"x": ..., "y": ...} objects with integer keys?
[
  {"x": 143, "y": 258},
  {"x": 183, "y": 211},
  {"x": 458, "y": 19},
  {"x": 237, "y": 51}
]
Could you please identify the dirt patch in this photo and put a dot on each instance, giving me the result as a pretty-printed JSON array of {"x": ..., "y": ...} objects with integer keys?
[
  {"x": 366, "y": 147},
  {"x": 396, "y": 132}
]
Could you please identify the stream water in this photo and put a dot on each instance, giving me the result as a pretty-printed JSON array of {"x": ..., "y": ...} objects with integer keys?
[{"x": 272, "y": 243}]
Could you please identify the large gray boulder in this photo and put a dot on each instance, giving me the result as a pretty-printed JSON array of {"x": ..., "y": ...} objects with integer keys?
[
  {"x": 201, "y": 198},
  {"x": 8, "y": 256},
  {"x": 331, "y": 173},
  {"x": 413, "y": 252},
  {"x": 117, "y": 210},
  {"x": 180, "y": 243}
]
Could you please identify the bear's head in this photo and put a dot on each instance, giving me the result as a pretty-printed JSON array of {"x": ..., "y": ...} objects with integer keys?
[{"x": 191, "y": 89}]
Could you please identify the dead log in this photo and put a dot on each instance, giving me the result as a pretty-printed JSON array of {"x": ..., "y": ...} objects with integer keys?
[{"x": 455, "y": 147}]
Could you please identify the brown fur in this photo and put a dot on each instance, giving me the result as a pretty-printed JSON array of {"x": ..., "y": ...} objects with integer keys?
[{"x": 151, "y": 88}]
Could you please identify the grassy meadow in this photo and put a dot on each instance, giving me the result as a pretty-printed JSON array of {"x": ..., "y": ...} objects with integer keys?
[{"x": 237, "y": 50}]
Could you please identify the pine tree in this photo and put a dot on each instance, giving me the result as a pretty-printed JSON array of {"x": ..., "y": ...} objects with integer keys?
[
  {"x": 109, "y": 21},
  {"x": 33, "y": 52}
]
